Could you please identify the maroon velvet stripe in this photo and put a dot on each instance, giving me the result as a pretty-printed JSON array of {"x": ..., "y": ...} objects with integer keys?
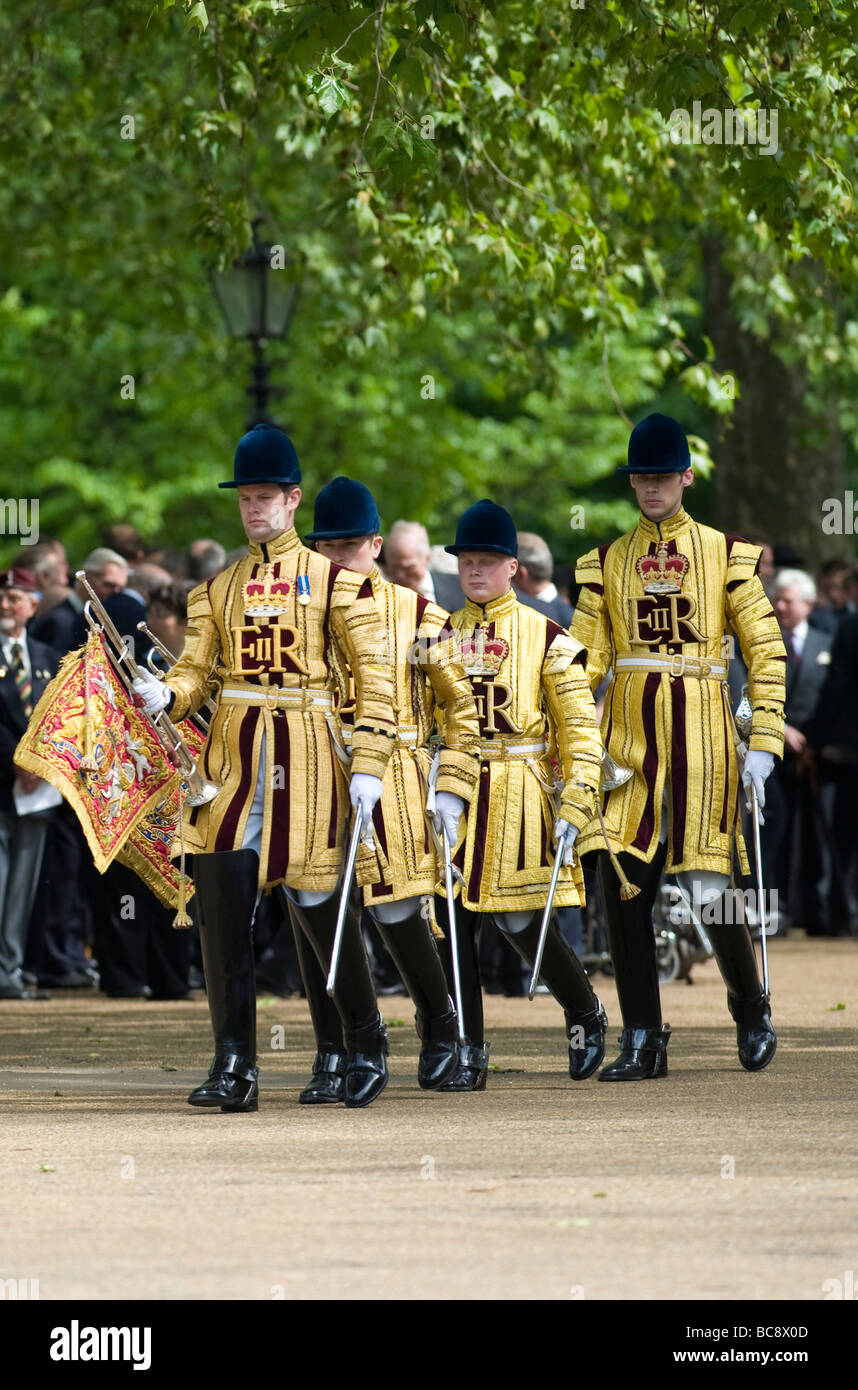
[
  {"x": 678, "y": 766},
  {"x": 650, "y": 762},
  {"x": 229, "y": 824},
  {"x": 278, "y": 756},
  {"x": 378, "y": 827},
  {"x": 728, "y": 744},
  {"x": 422, "y": 605},
  {"x": 480, "y": 835},
  {"x": 333, "y": 571},
  {"x": 552, "y": 630},
  {"x": 609, "y": 695},
  {"x": 335, "y": 801}
]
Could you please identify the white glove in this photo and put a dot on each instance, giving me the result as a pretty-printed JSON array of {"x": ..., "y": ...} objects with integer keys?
[
  {"x": 448, "y": 809},
  {"x": 154, "y": 693},
  {"x": 364, "y": 792},
  {"x": 757, "y": 768},
  {"x": 563, "y": 827}
]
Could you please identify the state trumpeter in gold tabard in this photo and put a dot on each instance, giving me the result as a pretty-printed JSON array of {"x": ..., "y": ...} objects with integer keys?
[
  {"x": 540, "y": 756},
  {"x": 398, "y": 873},
  {"x": 264, "y": 636},
  {"x": 660, "y": 607}
]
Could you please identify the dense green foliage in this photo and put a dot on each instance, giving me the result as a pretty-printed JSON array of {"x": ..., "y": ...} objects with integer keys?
[{"x": 483, "y": 194}]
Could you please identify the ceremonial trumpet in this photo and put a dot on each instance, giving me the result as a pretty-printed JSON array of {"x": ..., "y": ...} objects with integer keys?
[
  {"x": 613, "y": 775},
  {"x": 199, "y": 790},
  {"x": 157, "y": 645}
]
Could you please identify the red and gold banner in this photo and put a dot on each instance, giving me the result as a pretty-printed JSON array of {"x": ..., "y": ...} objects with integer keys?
[
  {"x": 147, "y": 849},
  {"x": 87, "y": 717}
]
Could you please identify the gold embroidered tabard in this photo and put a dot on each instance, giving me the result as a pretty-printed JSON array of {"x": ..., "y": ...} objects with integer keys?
[
  {"x": 538, "y": 732},
  {"x": 680, "y": 593},
  {"x": 428, "y": 679},
  {"x": 264, "y": 636}
]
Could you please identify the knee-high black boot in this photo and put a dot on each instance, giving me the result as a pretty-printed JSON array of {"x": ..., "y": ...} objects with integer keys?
[
  {"x": 746, "y": 1000},
  {"x": 473, "y": 1064},
  {"x": 567, "y": 979},
  {"x": 364, "y": 1034},
  {"x": 225, "y": 886},
  {"x": 643, "y": 1042},
  {"x": 327, "y": 1084},
  {"x": 415, "y": 955}
]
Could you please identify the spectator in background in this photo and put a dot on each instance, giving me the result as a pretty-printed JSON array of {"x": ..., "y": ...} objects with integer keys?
[
  {"x": 767, "y": 568},
  {"x": 534, "y": 581},
  {"x": 48, "y": 563},
  {"x": 27, "y": 803},
  {"x": 206, "y": 558},
  {"x": 173, "y": 561},
  {"x": 168, "y": 616},
  {"x": 406, "y": 557},
  {"x": 127, "y": 542},
  {"x": 64, "y": 627},
  {"x": 833, "y": 738},
  {"x": 145, "y": 578},
  {"x": 833, "y": 598},
  {"x": 792, "y": 852}
]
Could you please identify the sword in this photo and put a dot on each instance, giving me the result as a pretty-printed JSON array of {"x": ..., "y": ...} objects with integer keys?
[
  {"x": 546, "y": 916},
  {"x": 742, "y": 720},
  {"x": 454, "y": 937},
  {"x": 348, "y": 875},
  {"x": 760, "y": 890}
]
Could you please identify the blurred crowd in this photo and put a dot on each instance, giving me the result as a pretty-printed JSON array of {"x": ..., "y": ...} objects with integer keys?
[{"x": 63, "y": 925}]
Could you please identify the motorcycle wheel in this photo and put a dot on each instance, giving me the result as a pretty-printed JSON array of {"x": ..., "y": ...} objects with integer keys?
[{"x": 667, "y": 961}]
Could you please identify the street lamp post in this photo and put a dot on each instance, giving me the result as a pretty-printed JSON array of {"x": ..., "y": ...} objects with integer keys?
[{"x": 257, "y": 302}]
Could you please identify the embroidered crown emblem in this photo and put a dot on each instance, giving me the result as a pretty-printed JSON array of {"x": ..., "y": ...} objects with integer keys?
[
  {"x": 662, "y": 573},
  {"x": 265, "y": 596},
  {"x": 482, "y": 656}
]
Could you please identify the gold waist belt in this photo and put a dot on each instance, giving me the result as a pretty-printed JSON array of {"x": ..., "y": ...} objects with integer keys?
[
  {"x": 491, "y": 748},
  {"x": 678, "y": 664},
  {"x": 279, "y": 697}
]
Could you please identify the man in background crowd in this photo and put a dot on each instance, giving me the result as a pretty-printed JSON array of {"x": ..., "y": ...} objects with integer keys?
[
  {"x": 406, "y": 562},
  {"x": 534, "y": 579},
  {"x": 27, "y": 803},
  {"x": 792, "y": 852}
]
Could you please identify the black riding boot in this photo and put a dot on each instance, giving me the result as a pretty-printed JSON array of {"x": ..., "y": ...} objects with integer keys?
[
  {"x": 225, "y": 887},
  {"x": 643, "y": 1042},
  {"x": 748, "y": 1004},
  {"x": 473, "y": 1064},
  {"x": 363, "y": 1033},
  {"x": 415, "y": 955},
  {"x": 567, "y": 979},
  {"x": 327, "y": 1084}
]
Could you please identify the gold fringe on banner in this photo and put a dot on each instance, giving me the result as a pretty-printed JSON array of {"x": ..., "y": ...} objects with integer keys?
[
  {"x": 181, "y": 918},
  {"x": 87, "y": 762}
]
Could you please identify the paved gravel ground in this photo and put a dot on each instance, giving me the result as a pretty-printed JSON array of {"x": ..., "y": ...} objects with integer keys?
[{"x": 712, "y": 1183}]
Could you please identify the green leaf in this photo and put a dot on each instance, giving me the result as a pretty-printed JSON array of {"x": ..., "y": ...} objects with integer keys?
[{"x": 198, "y": 14}]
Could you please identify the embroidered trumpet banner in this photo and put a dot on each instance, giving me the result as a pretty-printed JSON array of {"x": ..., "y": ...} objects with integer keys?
[
  {"x": 87, "y": 738},
  {"x": 147, "y": 849}
]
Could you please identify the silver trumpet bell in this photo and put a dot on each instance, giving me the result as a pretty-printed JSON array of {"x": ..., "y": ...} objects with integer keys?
[
  {"x": 743, "y": 716},
  {"x": 613, "y": 775}
]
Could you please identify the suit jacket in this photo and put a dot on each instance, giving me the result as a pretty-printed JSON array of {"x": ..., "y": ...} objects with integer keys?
[
  {"x": 557, "y": 608},
  {"x": 835, "y": 721},
  {"x": 44, "y": 662},
  {"x": 126, "y": 612},
  {"x": 805, "y": 679},
  {"x": 448, "y": 591},
  {"x": 58, "y": 627}
]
